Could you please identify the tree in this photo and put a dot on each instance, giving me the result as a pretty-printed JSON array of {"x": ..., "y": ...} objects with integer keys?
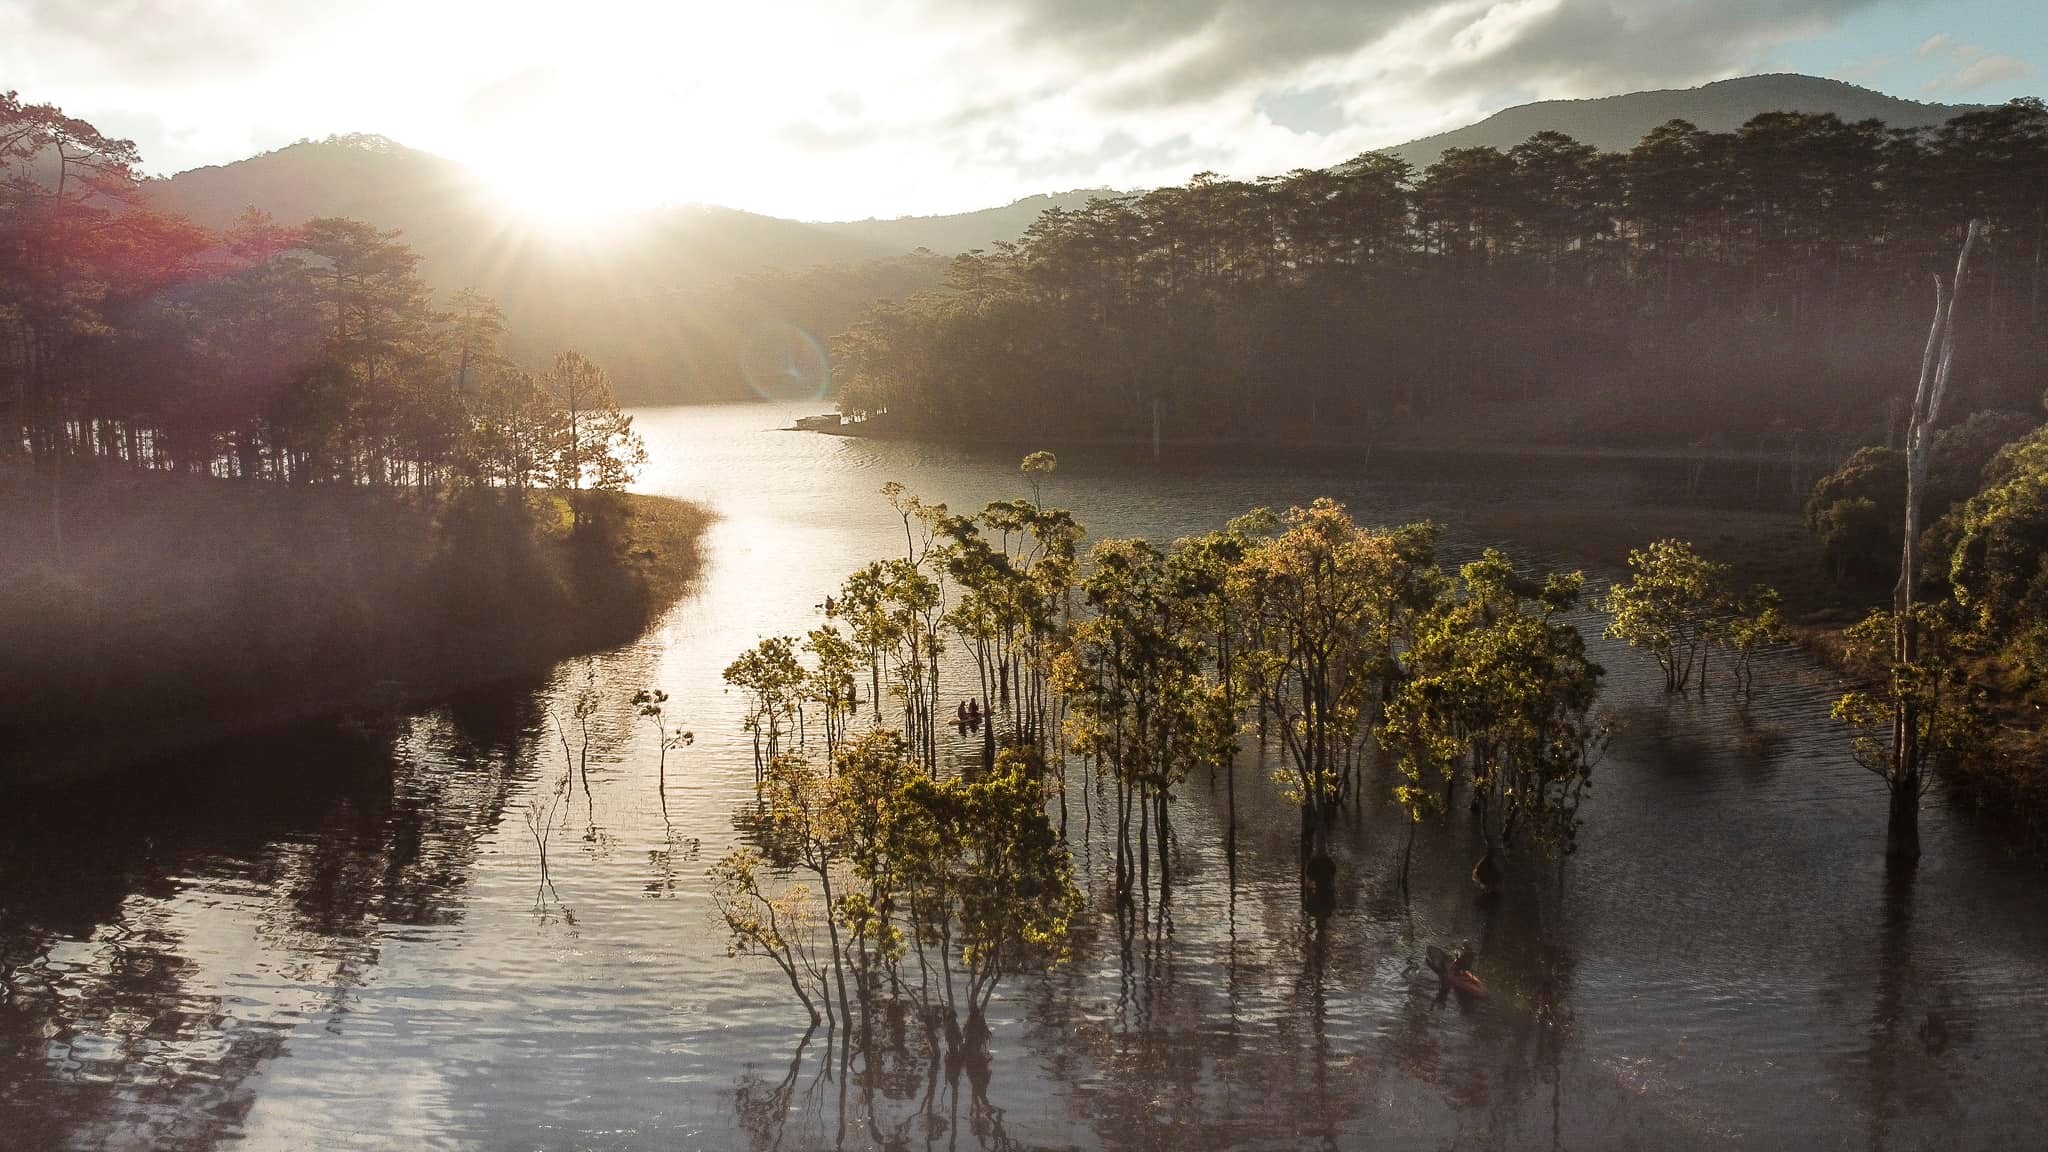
[
  {"x": 1325, "y": 604},
  {"x": 1853, "y": 509},
  {"x": 1902, "y": 838},
  {"x": 780, "y": 925},
  {"x": 1756, "y": 625},
  {"x": 801, "y": 816},
  {"x": 1672, "y": 606},
  {"x": 1500, "y": 688},
  {"x": 1701, "y": 285},
  {"x": 1931, "y": 693},
  {"x": 874, "y": 772},
  {"x": 653, "y": 706},
  {"x": 1144, "y": 705},
  {"x": 597, "y": 449},
  {"x": 830, "y": 682},
  {"x": 995, "y": 867},
  {"x": 773, "y": 679}
]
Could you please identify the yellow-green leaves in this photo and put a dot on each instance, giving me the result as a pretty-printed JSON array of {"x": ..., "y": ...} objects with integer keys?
[{"x": 1671, "y": 606}]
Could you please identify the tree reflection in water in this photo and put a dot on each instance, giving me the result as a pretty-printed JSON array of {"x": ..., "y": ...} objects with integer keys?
[
  {"x": 894, "y": 1096},
  {"x": 122, "y": 912}
]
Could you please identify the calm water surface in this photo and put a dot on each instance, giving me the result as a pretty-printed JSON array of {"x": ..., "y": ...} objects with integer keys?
[{"x": 313, "y": 942}]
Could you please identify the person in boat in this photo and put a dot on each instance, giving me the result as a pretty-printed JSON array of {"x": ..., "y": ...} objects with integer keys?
[
  {"x": 1461, "y": 962},
  {"x": 960, "y": 714}
]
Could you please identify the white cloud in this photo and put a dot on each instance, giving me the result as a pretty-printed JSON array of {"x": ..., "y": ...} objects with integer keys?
[
  {"x": 817, "y": 109},
  {"x": 1969, "y": 65},
  {"x": 1986, "y": 70}
]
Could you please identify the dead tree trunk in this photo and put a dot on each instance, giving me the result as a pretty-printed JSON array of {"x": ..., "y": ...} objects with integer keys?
[{"x": 1902, "y": 838}]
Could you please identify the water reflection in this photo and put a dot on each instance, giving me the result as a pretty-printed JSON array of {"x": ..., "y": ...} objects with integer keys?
[
  {"x": 322, "y": 940},
  {"x": 163, "y": 939}
]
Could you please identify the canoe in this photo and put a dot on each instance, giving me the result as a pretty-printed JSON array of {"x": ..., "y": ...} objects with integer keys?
[{"x": 1466, "y": 982}]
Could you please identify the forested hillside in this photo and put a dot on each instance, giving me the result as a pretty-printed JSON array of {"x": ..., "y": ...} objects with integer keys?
[
  {"x": 678, "y": 303},
  {"x": 1744, "y": 289}
]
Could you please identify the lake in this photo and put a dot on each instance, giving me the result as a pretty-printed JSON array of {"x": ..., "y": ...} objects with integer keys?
[{"x": 341, "y": 939}]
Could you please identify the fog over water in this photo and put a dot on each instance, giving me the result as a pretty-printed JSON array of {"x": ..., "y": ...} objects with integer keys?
[{"x": 342, "y": 941}]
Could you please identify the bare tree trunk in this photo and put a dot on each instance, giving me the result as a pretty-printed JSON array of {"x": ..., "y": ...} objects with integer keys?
[{"x": 1902, "y": 838}]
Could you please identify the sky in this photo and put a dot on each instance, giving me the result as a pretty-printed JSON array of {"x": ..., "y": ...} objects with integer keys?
[{"x": 837, "y": 109}]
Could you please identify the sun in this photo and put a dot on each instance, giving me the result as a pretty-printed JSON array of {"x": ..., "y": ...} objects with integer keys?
[{"x": 559, "y": 200}]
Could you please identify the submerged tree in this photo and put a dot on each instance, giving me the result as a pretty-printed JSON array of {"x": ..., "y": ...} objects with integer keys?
[
  {"x": 780, "y": 924},
  {"x": 653, "y": 706},
  {"x": 1902, "y": 837},
  {"x": 1325, "y": 604},
  {"x": 1931, "y": 692},
  {"x": 1501, "y": 691},
  {"x": 1144, "y": 703},
  {"x": 1673, "y": 605},
  {"x": 773, "y": 679},
  {"x": 990, "y": 880},
  {"x": 1756, "y": 625}
]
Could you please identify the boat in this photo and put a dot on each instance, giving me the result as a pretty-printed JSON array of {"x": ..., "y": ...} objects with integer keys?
[
  {"x": 827, "y": 422},
  {"x": 1466, "y": 982}
]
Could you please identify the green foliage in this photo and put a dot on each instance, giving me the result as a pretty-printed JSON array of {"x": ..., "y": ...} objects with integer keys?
[
  {"x": 1673, "y": 606},
  {"x": 773, "y": 680},
  {"x": 1998, "y": 555},
  {"x": 1336, "y": 637},
  {"x": 1325, "y": 606},
  {"x": 1756, "y": 625},
  {"x": 1931, "y": 696},
  {"x": 1856, "y": 512},
  {"x": 1500, "y": 689},
  {"x": 989, "y": 861}
]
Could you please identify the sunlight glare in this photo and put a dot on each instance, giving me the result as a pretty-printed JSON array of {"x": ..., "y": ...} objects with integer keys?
[{"x": 561, "y": 200}]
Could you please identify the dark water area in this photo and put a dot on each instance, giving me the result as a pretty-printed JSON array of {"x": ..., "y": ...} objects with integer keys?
[{"x": 341, "y": 940}]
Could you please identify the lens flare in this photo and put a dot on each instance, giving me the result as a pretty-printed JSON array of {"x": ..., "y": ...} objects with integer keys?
[{"x": 783, "y": 362}]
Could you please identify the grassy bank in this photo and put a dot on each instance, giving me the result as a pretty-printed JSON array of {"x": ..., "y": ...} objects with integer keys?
[{"x": 151, "y": 612}]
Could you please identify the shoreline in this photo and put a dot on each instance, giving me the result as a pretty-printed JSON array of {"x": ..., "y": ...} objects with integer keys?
[
  {"x": 245, "y": 643},
  {"x": 1331, "y": 446}
]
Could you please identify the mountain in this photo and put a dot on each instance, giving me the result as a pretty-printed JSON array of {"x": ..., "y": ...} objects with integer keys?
[
  {"x": 1616, "y": 123},
  {"x": 676, "y": 305},
  {"x": 448, "y": 214},
  {"x": 963, "y": 231}
]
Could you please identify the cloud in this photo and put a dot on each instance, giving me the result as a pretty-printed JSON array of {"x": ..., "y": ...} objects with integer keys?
[
  {"x": 1175, "y": 51},
  {"x": 1985, "y": 70},
  {"x": 164, "y": 38},
  {"x": 1969, "y": 65},
  {"x": 814, "y": 108},
  {"x": 1594, "y": 47}
]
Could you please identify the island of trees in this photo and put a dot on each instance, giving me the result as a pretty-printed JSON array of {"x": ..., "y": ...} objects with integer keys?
[{"x": 259, "y": 475}]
